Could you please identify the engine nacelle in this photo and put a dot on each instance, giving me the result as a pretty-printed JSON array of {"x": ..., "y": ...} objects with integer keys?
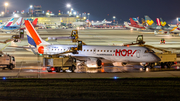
[{"x": 94, "y": 63}]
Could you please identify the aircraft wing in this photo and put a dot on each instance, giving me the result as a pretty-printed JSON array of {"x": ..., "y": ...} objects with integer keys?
[{"x": 6, "y": 41}]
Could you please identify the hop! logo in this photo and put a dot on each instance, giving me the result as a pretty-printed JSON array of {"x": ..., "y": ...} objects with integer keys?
[
  {"x": 150, "y": 22},
  {"x": 125, "y": 52}
]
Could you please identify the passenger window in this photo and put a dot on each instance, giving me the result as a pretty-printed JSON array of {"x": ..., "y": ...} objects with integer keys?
[
  {"x": 97, "y": 50},
  {"x": 107, "y": 50},
  {"x": 91, "y": 50},
  {"x": 84, "y": 50},
  {"x": 114, "y": 50},
  {"x": 110, "y": 50},
  {"x": 101, "y": 50},
  {"x": 104, "y": 50},
  {"x": 94, "y": 50},
  {"x": 87, "y": 50}
]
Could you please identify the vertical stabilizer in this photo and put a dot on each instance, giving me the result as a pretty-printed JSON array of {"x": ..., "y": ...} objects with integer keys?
[
  {"x": 150, "y": 22},
  {"x": 32, "y": 35}
]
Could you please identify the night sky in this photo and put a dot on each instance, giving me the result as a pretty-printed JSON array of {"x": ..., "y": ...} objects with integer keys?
[{"x": 99, "y": 9}]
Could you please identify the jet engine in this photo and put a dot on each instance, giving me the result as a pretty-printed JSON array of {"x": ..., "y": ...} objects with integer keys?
[{"x": 94, "y": 63}]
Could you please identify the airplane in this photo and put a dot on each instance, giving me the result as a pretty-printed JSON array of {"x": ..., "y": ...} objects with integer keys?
[
  {"x": 101, "y": 23},
  {"x": 9, "y": 23},
  {"x": 152, "y": 25},
  {"x": 91, "y": 54},
  {"x": 16, "y": 26},
  {"x": 133, "y": 25},
  {"x": 168, "y": 28}
]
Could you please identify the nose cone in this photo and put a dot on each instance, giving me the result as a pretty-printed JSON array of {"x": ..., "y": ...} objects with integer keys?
[{"x": 156, "y": 58}]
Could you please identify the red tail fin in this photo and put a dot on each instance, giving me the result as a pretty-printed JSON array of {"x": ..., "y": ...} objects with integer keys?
[
  {"x": 132, "y": 22},
  {"x": 35, "y": 22}
]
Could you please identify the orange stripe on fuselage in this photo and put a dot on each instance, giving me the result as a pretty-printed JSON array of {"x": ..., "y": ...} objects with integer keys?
[
  {"x": 32, "y": 32},
  {"x": 173, "y": 29}
]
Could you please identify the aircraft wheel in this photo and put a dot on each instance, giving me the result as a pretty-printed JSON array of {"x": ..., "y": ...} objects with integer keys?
[
  {"x": 162, "y": 65},
  {"x": 58, "y": 69},
  {"x": 152, "y": 65},
  {"x": 11, "y": 67},
  {"x": 49, "y": 71},
  {"x": 144, "y": 67}
]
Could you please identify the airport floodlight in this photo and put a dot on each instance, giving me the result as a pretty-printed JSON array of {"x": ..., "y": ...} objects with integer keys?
[
  {"x": 74, "y": 13},
  {"x": 31, "y": 6},
  {"x": 15, "y": 15},
  {"x": 68, "y": 5},
  {"x": 6, "y": 4},
  {"x": 114, "y": 17},
  {"x": 84, "y": 18},
  {"x": 72, "y": 9},
  {"x": 77, "y": 16},
  {"x": 88, "y": 14},
  {"x": 2, "y": 12}
]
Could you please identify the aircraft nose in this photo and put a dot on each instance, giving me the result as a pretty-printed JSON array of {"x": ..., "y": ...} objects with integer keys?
[{"x": 156, "y": 58}]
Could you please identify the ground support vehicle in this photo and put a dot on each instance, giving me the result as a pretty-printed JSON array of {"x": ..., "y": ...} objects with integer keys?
[
  {"x": 7, "y": 61},
  {"x": 54, "y": 63},
  {"x": 167, "y": 57}
]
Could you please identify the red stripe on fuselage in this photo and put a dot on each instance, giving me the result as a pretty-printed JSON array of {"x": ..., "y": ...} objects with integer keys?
[{"x": 33, "y": 33}]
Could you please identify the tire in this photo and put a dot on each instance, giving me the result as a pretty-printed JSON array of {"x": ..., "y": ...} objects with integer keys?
[
  {"x": 10, "y": 67},
  {"x": 152, "y": 65},
  {"x": 162, "y": 65},
  {"x": 49, "y": 71},
  {"x": 144, "y": 67},
  {"x": 58, "y": 69},
  {"x": 73, "y": 68}
]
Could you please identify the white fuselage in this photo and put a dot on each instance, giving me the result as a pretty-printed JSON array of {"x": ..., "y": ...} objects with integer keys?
[{"x": 112, "y": 53}]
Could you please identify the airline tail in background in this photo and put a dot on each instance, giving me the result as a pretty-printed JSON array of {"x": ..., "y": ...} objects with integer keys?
[
  {"x": 33, "y": 37},
  {"x": 150, "y": 22},
  {"x": 158, "y": 21},
  {"x": 34, "y": 23},
  {"x": 133, "y": 22},
  {"x": 163, "y": 23},
  {"x": 9, "y": 22},
  {"x": 18, "y": 22}
]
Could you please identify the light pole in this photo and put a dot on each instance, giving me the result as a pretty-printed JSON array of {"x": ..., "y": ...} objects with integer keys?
[
  {"x": 68, "y": 6},
  {"x": 114, "y": 18},
  {"x": 6, "y": 5},
  {"x": 88, "y": 16}
]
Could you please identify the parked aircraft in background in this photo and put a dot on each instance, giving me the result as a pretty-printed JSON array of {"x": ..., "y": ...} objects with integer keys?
[
  {"x": 16, "y": 26},
  {"x": 133, "y": 25},
  {"x": 152, "y": 25},
  {"x": 9, "y": 23},
  {"x": 101, "y": 22},
  {"x": 168, "y": 28}
]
